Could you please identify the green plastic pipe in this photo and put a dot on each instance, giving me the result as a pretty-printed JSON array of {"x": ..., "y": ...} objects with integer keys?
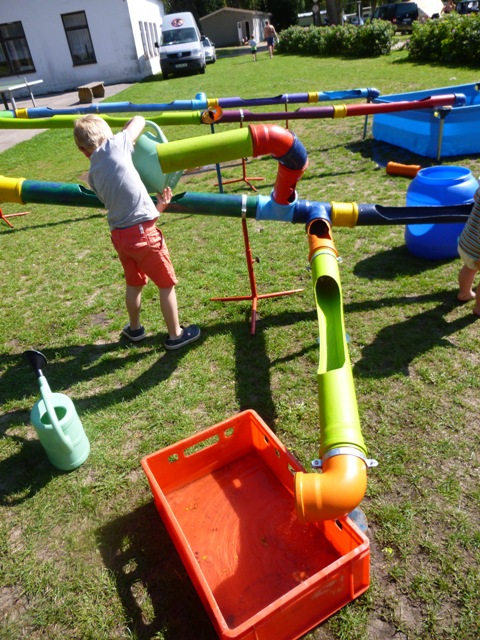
[
  {"x": 339, "y": 421},
  {"x": 66, "y": 121},
  {"x": 340, "y": 487},
  {"x": 203, "y": 150},
  {"x": 24, "y": 191}
]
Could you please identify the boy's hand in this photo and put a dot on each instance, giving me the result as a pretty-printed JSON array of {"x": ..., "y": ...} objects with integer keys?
[{"x": 163, "y": 199}]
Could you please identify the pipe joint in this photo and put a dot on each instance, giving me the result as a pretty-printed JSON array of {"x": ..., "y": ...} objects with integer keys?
[
  {"x": 341, "y": 451},
  {"x": 320, "y": 238},
  {"x": 269, "y": 209},
  {"x": 296, "y": 157},
  {"x": 11, "y": 189},
  {"x": 307, "y": 211}
]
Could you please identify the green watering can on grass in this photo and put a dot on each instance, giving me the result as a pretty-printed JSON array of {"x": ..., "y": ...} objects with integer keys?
[
  {"x": 145, "y": 160},
  {"x": 56, "y": 422}
]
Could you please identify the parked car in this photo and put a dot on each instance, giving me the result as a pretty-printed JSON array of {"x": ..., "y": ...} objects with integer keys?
[
  {"x": 209, "y": 50},
  {"x": 180, "y": 48},
  {"x": 355, "y": 20},
  {"x": 468, "y": 6},
  {"x": 400, "y": 14}
]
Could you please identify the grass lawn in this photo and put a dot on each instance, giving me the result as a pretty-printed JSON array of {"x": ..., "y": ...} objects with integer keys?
[{"x": 84, "y": 554}]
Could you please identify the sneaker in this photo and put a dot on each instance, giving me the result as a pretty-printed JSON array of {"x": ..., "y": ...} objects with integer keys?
[
  {"x": 135, "y": 335},
  {"x": 190, "y": 334}
]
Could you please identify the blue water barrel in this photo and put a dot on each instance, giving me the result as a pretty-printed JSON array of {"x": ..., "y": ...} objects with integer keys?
[{"x": 441, "y": 185}]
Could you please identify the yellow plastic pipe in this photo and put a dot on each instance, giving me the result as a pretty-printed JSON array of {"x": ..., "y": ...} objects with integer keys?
[{"x": 11, "y": 189}]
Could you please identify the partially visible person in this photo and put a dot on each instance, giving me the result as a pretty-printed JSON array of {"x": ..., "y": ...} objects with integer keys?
[
  {"x": 253, "y": 48},
  {"x": 269, "y": 34},
  {"x": 469, "y": 251},
  {"x": 131, "y": 216},
  {"x": 448, "y": 7}
]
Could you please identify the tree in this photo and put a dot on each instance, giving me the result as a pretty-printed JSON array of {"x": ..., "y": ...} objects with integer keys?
[
  {"x": 334, "y": 11},
  {"x": 284, "y": 12}
]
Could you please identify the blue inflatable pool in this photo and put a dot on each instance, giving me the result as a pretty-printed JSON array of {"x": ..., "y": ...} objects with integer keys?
[{"x": 419, "y": 130}]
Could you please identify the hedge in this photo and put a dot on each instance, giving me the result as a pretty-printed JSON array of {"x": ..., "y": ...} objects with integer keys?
[
  {"x": 371, "y": 40},
  {"x": 453, "y": 39}
]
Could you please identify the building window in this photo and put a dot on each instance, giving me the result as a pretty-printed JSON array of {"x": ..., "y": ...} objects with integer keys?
[
  {"x": 149, "y": 35},
  {"x": 78, "y": 37},
  {"x": 156, "y": 40},
  {"x": 15, "y": 55}
]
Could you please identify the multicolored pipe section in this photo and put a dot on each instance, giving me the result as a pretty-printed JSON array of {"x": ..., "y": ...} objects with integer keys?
[
  {"x": 199, "y": 103},
  {"x": 339, "y": 214},
  {"x": 343, "y": 110},
  {"x": 215, "y": 114},
  {"x": 252, "y": 141}
]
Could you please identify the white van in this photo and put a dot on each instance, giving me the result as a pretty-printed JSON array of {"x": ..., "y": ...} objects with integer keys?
[{"x": 181, "y": 49}]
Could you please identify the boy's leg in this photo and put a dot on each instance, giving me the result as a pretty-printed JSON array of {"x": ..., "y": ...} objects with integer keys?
[
  {"x": 476, "y": 308},
  {"x": 466, "y": 277},
  {"x": 169, "y": 308},
  {"x": 133, "y": 300}
]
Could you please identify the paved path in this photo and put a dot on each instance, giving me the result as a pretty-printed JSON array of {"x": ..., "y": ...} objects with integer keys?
[{"x": 11, "y": 137}]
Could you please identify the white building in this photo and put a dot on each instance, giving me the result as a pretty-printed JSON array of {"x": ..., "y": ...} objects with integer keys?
[
  {"x": 67, "y": 43},
  {"x": 230, "y": 27}
]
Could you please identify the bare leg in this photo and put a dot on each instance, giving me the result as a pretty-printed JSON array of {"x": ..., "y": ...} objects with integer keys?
[
  {"x": 169, "y": 308},
  {"x": 133, "y": 300},
  {"x": 476, "y": 308},
  {"x": 466, "y": 277}
]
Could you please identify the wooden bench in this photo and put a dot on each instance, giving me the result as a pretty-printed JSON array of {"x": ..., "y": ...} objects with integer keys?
[{"x": 87, "y": 92}]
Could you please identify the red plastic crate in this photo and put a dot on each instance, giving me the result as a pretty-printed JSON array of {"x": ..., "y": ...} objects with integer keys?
[{"x": 226, "y": 498}]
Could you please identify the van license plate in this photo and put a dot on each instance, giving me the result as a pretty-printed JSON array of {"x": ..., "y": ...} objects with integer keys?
[{"x": 181, "y": 65}]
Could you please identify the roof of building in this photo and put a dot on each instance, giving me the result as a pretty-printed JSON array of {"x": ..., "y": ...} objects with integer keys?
[{"x": 224, "y": 9}]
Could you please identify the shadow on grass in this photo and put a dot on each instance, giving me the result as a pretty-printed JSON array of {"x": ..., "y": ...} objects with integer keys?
[
  {"x": 86, "y": 363},
  {"x": 153, "y": 586},
  {"x": 382, "y": 152},
  {"x": 391, "y": 263},
  {"x": 25, "y": 472},
  {"x": 397, "y": 345},
  {"x": 47, "y": 225}
]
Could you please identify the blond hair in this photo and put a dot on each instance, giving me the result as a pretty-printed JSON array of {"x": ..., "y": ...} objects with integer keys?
[{"x": 90, "y": 132}]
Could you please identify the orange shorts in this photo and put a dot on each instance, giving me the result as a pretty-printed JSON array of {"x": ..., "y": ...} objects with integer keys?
[{"x": 144, "y": 255}]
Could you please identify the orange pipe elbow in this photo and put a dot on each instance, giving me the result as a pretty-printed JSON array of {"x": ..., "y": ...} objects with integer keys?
[
  {"x": 271, "y": 139},
  {"x": 284, "y": 146},
  {"x": 334, "y": 493}
]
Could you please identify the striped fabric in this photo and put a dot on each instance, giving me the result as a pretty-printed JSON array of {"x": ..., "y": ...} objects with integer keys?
[{"x": 469, "y": 239}]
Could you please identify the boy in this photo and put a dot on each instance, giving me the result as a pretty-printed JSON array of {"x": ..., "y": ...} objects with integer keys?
[
  {"x": 253, "y": 48},
  {"x": 469, "y": 251},
  {"x": 131, "y": 217}
]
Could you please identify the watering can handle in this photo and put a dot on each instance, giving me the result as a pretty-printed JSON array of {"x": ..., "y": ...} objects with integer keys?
[
  {"x": 159, "y": 133},
  {"x": 46, "y": 392}
]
